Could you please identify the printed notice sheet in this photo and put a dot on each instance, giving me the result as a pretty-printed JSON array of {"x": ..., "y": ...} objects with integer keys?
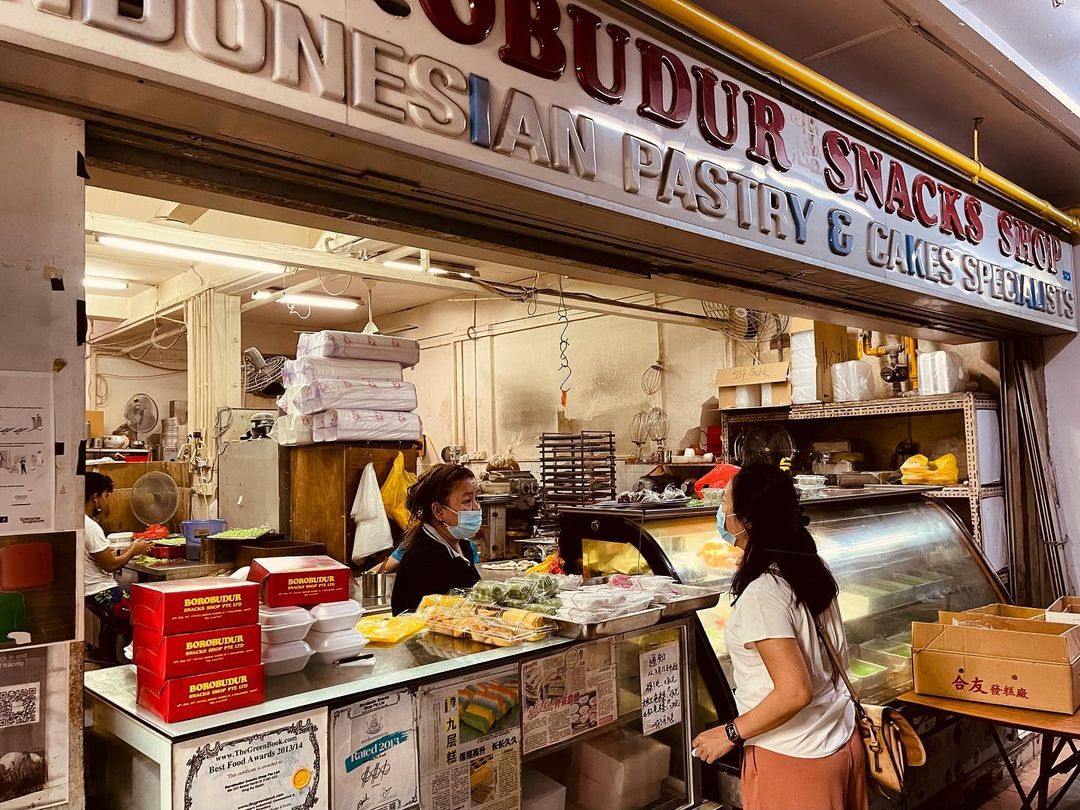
[
  {"x": 27, "y": 452},
  {"x": 568, "y": 694},
  {"x": 470, "y": 742}
]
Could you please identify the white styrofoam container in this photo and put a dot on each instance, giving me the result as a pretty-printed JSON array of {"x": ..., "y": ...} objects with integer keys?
[
  {"x": 988, "y": 433},
  {"x": 541, "y": 792},
  {"x": 992, "y": 531},
  {"x": 281, "y": 659},
  {"x": 333, "y": 616},
  {"x": 331, "y": 647},
  {"x": 285, "y": 624}
]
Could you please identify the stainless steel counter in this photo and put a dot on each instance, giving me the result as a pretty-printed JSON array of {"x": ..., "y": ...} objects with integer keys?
[{"x": 421, "y": 658}]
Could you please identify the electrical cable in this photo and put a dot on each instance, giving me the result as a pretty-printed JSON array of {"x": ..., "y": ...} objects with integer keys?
[
  {"x": 564, "y": 346},
  {"x": 345, "y": 289}
]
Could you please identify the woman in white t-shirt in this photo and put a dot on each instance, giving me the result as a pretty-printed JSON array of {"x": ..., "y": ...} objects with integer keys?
[{"x": 796, "y": 720}]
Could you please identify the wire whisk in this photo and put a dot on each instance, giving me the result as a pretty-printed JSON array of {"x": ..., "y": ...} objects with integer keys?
[{"x": 652, "y": 378}]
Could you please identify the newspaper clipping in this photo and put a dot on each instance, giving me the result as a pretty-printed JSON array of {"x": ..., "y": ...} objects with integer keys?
[
  {"x": 568, "y": 694},
  {"x": 470, "y": 743}
]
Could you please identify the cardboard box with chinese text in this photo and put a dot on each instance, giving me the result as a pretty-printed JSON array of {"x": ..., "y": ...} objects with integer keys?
[
  {"x": 1006, "y": 662},
  {"x": 767, "y": 383}
]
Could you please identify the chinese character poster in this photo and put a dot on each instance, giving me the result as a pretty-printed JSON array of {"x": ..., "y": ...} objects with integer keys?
[{"x": 470, "y": 742}]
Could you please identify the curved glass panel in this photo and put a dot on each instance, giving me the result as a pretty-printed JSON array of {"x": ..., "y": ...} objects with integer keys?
[{"x": 896, "y": 561}]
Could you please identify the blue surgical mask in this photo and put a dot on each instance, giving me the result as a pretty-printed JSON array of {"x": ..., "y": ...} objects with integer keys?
[
  {"x": 721, "y": 526},
  {"x": 468, "y": 524}
]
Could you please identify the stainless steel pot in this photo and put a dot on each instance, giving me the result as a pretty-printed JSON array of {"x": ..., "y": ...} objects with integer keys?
[{"x": 376, "y": 587}]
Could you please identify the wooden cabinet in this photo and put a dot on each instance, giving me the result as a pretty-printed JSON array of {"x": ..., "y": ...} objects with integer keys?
[{"x": 324, "y": 482}]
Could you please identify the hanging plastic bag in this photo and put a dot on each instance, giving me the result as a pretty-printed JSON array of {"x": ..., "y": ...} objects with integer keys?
[
  {"x": 394, "y": 490},
  {"x": 716, "y": 478},
  {"x": 943, "y": 471},
  {"x": 372, "y": 527}
]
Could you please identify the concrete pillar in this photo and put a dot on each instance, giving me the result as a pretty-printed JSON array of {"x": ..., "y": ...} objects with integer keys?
[{"x": 41, "y": 270}]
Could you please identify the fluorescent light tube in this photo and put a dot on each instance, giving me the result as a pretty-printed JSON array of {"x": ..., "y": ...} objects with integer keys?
[
  {"x": 92, "y": 283},
  {"x": 301, "y": 300},
  {"x": 189, "y": 254},
  {"x": 399, "y": 265}
]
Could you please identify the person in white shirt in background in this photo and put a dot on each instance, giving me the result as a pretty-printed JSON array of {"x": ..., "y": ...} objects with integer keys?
[
  {"x": 101, "y": 593},
  {"x": 796, "y": 721}
]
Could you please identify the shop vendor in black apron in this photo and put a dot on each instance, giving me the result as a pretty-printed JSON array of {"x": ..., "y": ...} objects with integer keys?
[{"x": 438, "y": 554}]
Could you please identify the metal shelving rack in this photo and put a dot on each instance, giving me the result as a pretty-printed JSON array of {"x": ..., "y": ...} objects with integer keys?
[
  {"x": 576, "y": 469},
  {"x": 973, "y": 492}
]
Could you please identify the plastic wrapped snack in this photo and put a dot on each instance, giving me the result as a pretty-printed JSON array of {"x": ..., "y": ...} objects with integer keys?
[
  {"x": 547, "y": 585},
  {"x": 521, "y": 588},
  {"x": 368, "y": 395},
  {"x": 383, "y": 629},
  {"x": 358, "y": 346},
  {"x": 365, "y": 426},
  {"x": 489, "y": 593},
  {"x": 304, "y": 370}
]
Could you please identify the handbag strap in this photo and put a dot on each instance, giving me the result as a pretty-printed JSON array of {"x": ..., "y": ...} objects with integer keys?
[{"x": 834, "y": 657}]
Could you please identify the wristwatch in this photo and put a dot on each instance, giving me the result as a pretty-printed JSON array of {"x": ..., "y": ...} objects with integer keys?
[{"x": 733, "y": 733}]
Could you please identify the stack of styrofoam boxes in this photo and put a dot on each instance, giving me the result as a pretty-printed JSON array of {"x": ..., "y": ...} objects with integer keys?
[
  {"x": 620, "y": 770},
  {"x": 815, "y": 348},
  {"x": 348, "y": 386},
  {"x": 196, "y": 646},
  {"x": 305, "y": 612}
]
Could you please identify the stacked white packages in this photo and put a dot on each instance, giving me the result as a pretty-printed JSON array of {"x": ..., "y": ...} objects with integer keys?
[
  {"x": 348, "y": 386},
  {"x": 358, "y": 346},
  {"x": 304, "y": 370},
  {"x": 365, "y": 426},
  {"x": 368, "y": 395}
]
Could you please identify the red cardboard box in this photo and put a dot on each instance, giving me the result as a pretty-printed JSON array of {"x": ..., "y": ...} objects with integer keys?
[
  {"x": 194, "y": 605},
  {"x": 289, "y": 581},
  {"x": 178, "y": 699},
  {"x": 197, "y": 653}
]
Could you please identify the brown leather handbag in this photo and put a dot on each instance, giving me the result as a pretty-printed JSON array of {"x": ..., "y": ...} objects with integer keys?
[{"x": 891, "y": 744}]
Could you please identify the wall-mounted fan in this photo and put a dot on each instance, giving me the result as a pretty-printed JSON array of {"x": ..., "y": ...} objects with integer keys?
[
  {"x": 744, "y": 324},
  {"x": 262, "y": 375}
]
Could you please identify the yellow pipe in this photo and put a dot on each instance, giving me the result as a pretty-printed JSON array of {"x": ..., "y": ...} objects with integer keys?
[
  {"x": 866, "y": 350},
  {"x": 911, "y": 350},
  {"x": 757, "y": 52}
]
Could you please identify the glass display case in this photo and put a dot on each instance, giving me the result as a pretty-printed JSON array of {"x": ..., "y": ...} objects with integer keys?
[{"x": 897, "y": 555}]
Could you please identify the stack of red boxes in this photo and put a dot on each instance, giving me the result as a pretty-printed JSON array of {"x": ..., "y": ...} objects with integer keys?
[{"x": 196, "y": 646}]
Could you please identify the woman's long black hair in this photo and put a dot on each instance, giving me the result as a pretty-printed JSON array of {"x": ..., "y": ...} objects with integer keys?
[
  {"x": 434, "y": 486},
  {"x": 764, "y": 499}
]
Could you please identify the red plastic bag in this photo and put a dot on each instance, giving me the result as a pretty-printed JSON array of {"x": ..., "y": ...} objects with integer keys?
[{"x": 716, "y": 478}]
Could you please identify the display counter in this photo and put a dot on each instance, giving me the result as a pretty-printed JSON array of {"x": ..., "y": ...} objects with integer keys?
[
  {"x": 565, "y": 715},
  {"x": 897, "y": 555}
]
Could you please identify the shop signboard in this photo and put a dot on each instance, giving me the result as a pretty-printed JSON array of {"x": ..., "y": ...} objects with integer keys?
[
  {"x": 279, "y": 764},
  {"x": 470, "y": 742},
  {"x": 373, "y": 744},
  {"x": 568, "y": 694},
  {"x": 574, "y": 99}
]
